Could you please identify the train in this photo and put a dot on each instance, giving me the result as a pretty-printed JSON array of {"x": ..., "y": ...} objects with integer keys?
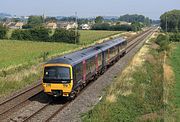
[{"x": 67, "y": 75}]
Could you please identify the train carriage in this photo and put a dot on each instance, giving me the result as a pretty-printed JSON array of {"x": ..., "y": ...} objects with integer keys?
[{"x": 66, "y": 75}]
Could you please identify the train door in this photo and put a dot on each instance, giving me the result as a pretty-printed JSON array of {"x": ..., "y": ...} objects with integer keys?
[
  {"x": 84, "y": 70},
  {"x": 103, "y": 59},
  {"x": 96, "y": 62}
]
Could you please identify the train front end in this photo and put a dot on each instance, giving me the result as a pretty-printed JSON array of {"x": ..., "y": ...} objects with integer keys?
[{"x": 58, "y": 79}]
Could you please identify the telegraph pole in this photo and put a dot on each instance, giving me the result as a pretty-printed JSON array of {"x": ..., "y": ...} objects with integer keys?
[{"x": 76, "y": 31}]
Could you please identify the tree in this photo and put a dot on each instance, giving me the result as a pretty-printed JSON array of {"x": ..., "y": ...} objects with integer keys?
[
  {"x": 99, "y": 19},
  {"x": 68, "y": 19},
  {"x": 68, "y": 36},
  {"x": 35, "y": 21},
  {"x": 135, "y": 18},
  {"x": 106, "y": 26},
  {"x": 101, "y": 26},
  {"x": 171, "y": 21},
  {"x": 34, "y": 34},
  {"x": 15, "y": 19},
  {"x": 51, "y": 19},
  {"x": 3, "y": 31},
  {"x": 163, "y": 42},
  {"x": 136, "y": 26}
]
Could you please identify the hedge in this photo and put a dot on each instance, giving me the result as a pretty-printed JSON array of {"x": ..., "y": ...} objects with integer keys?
[
  {"x": 42, "y": 34},
  {"x": 62, "y": 35}
]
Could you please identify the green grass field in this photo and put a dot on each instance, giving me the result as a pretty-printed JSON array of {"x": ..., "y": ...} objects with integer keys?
[
  {"x": 21, "y": 52},
  {"x": 20, "y": 61},
  {"x": 175, "y": 62},
  {"x": 90, "y": 36}
]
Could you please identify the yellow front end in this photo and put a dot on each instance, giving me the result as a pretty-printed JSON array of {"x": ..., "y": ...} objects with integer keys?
[{"x": 64, "y": 88}]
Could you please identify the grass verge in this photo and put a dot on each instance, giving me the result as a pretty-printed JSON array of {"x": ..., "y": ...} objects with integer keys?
[
  {"x": 175, "y": 63},
  {"x": 135, "y": 95}
]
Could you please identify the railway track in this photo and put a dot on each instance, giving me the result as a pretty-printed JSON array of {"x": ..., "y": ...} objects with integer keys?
[
  {"x": 19, "y": 99},
  {"x": 23, "y": 97},
  {"x": 130, "y": 46},
  {"x": 63, "y": 103}
]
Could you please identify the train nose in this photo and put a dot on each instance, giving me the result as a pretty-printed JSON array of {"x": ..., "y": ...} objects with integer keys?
[{"x": 57, "y": 93}]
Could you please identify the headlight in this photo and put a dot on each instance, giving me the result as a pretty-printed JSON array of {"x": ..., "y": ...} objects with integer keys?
[{"x": 65, "y": 82}]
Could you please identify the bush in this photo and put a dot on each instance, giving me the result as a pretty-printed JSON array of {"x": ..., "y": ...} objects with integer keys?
[
  {"x": 39, "y": 34},
  {"x": 3, "y": 32},
  {"x": 62, "y": 35},
  {"x": 21, "y": 35},
  {"x": 101, "y": 26},
  {"x": 106, "y": 26},
  {"x": 42, "y": 34},
  {"x": 136, "y": 26},
  {"x": 175, "y": 37},
  {"x": 163, "y": 42},
  {"x": 121, "y": 28},
  {"x": 36, "y": 34}
]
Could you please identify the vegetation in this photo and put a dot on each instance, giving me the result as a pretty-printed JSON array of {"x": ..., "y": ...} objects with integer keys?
[
  {"x": 171, "y": 21},
  {"x": 62, "y": 35},
  {"x": 135, "y": 18},
  {"x": 99, "y": 19},
  {"x": 90, "y": 36},
  {"x": 51, "y": 19},
  {"x": 69, "y": 19},
  {"x": 163, "y": 42},
  {"x": 135, "y": 26},
  {"x": 43, "y": 34},
  {"x": 3, "y": 31},
  {"x": 101, "y": 26},
  {"x": 175, "y": 63},
  {"x": 18, "y": 52},
  {"x": 174, "y": 37},
  {"x": 35, "y": 34},
  {"x": 135, "y": 95},
  {"x": 34, "y": 22},
  {"x": 20, "y": 60}
]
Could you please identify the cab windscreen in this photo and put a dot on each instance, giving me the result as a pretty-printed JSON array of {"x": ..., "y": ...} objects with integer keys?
[{"x": 56, "y": 74}]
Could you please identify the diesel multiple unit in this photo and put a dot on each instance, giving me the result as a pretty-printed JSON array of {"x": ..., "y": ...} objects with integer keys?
[{"x": 66, "y": 75}]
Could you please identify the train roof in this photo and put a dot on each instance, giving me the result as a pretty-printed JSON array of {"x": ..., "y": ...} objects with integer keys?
[{"x": 79, "y": 56}]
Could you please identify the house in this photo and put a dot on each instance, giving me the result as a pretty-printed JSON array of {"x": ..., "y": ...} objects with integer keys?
[
  {"x": 19, "y": 25},
  {"x": 123, "y": 23},
  {"x": 67, "y": 25},
  {"x": 11, "y": 25},
  {"x": 51, "y": 25},
  {"x": 85, "y": 27},
  {"x": 14, "y": 25}
]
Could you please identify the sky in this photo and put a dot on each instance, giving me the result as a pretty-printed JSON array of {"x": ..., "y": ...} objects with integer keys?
[{"x": 88, "y": 8}]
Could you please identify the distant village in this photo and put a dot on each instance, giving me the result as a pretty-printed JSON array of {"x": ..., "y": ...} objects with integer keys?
[{"x": 14, "y": 22}]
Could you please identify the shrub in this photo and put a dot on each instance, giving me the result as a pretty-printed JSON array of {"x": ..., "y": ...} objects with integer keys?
[
  {"x": 121, "y": 28},
  {"x": 36, "y": 34},
  {"x": 136, "y": 26},
  {"x": 163, "y": 42},
  {"x": 21, "y": 35},
  {"x": 39, "y": 34},
  {"x": 42, "y": 34},
  {"x": 3, "y": 32},
  {"x": 175, "y": 37},
  {"x": 106, "y": 26},
  {"x": 62, "y": 35},
  {"x": 101, "y": 26}
]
